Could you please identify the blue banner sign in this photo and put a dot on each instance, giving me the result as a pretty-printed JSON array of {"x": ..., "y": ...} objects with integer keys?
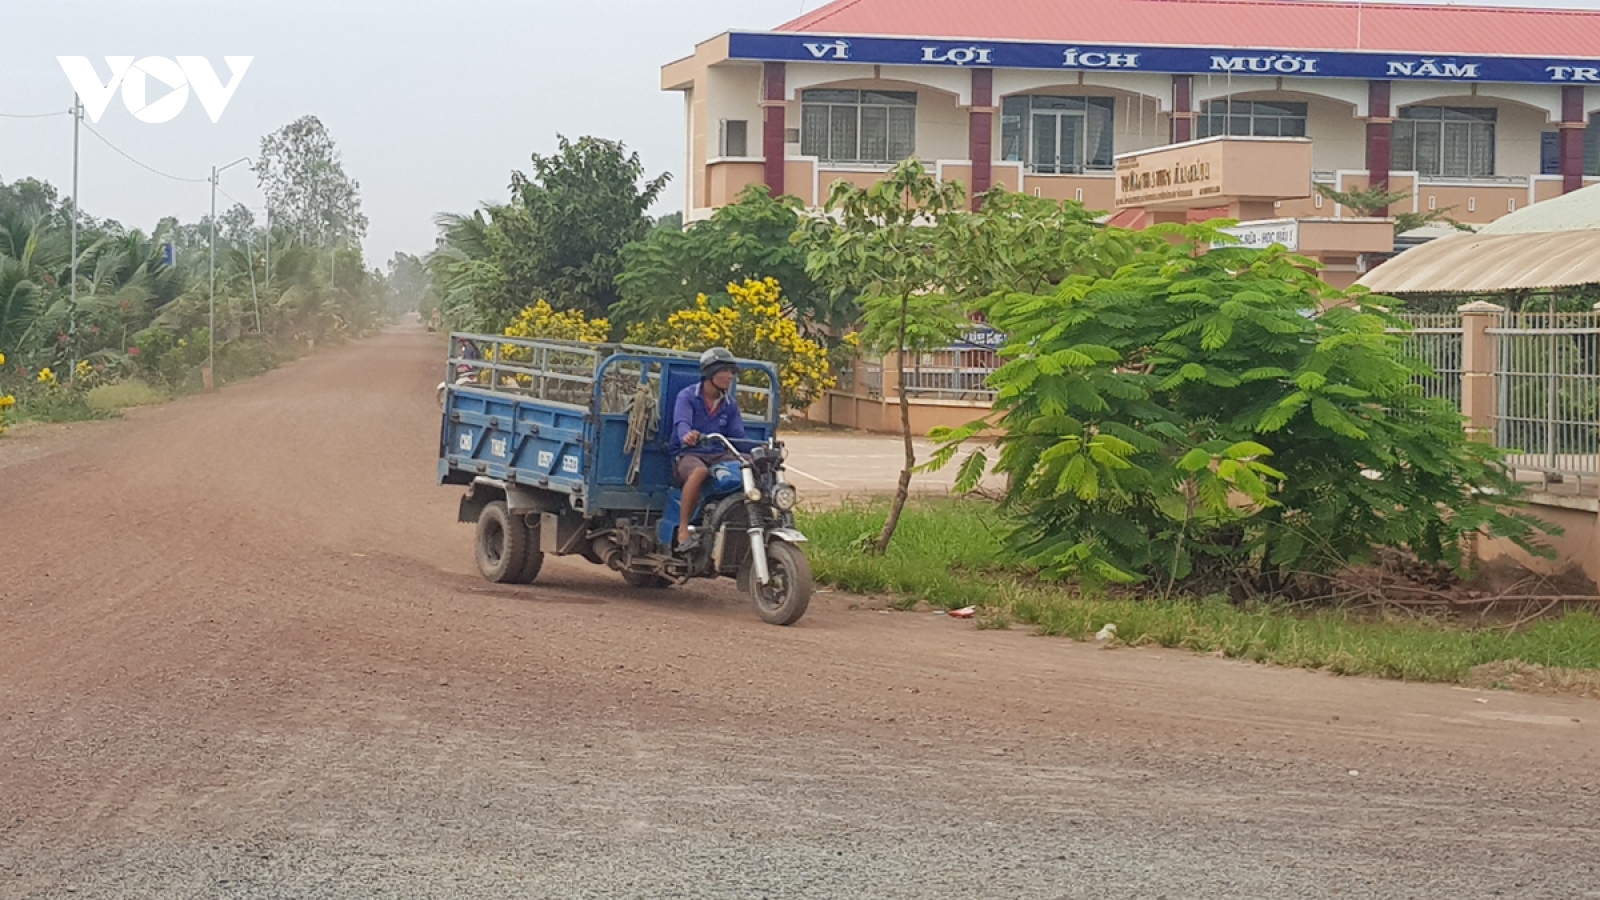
[
  {"x": 982, "y": 337},
  {"x": 1181, "y": 60}
]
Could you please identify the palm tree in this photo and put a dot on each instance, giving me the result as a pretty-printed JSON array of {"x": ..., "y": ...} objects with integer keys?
[
  {"x": 466, "y": 267},
  {"x": 31, "y": 254}
]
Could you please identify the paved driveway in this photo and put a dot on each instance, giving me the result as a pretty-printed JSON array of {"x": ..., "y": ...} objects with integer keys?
[{"x": 835, "y": 465}]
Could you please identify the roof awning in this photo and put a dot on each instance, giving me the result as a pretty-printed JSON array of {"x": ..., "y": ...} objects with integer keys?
[
  {"x": 1555, "y": 243},
  {"x": 1484, "y": 263}
]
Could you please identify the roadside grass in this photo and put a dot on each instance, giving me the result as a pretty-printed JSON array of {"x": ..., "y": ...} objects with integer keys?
[
  {"x": 236, "y": 362},
  {"x": 124, "y": 395},
  {"x": 56, "y": 407},
  {"x": 949, "y": 554}
]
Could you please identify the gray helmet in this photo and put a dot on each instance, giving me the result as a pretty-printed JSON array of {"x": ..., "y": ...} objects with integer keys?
[{"x": 715, "y": 359}]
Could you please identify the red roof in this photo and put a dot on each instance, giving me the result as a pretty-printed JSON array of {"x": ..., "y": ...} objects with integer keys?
[{"x": 1284, "y": 24}]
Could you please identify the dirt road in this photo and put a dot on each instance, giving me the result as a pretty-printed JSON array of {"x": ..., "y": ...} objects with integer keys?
[{"x": 243, "y": 654}]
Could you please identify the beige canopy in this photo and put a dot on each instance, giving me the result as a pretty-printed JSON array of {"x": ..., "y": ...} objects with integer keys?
[{"x": 1551, "y": 244}]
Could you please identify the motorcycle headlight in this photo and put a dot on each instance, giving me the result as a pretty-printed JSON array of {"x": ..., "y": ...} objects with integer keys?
[{"x": 784, "y": 497}]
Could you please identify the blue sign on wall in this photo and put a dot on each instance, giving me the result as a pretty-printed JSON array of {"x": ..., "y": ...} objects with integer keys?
[{"x": 1180, "y": 60}]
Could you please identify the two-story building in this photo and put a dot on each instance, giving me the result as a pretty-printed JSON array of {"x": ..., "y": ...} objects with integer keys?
[{"x": 1482, "y": 110}]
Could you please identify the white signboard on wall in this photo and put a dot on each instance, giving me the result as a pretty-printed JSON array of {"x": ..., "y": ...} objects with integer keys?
[{"x": 1263, "y": 234}]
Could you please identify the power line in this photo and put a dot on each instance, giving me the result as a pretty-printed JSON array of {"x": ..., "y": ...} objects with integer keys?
[
  {"x": 233, "y": 198},
  {"x": 64, "y": 112},
  {"x": 141, "y": 165}
]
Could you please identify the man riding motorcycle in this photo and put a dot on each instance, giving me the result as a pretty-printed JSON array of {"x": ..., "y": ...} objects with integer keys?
[{"x": 708, "y": 407}]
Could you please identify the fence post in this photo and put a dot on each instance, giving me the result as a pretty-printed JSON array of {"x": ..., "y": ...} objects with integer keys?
[
  {"x": 1480, "y": 398},
  {"x": 1596, "y": 308}
]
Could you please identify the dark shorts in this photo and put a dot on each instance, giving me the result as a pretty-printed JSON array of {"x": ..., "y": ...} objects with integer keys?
[{"x": 690, "y": 462}]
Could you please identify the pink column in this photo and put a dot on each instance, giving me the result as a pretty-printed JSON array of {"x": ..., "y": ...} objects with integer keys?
[
  {"x": 1182, "y": 108},
  {"x": 1572, "y": 125},
  {"x": 980, "y": 133},
  {"x": 772, "y": 111},
  {"x": 1380, "y": 133}
]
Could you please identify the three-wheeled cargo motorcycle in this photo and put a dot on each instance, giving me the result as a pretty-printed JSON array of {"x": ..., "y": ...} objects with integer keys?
[{"x": 563, "y": 449}]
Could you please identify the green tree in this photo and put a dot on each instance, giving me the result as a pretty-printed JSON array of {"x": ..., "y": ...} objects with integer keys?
[
  {"x": 894, "y": 246},
  {"x": 308, "y": 193},
  {"x": 751, "y": 238},
  {"x": 20, "y": 286},
  {"x": 469, "y": 270},
  {"x": 135, "y": 311},
  {"x": 1375, "y": 201},
  {"x": 571, "y": 218},
  {"x": 1221, "y": 418},
  {"x": 559, "y": 239},
  {"x": 409, "y": 285}
]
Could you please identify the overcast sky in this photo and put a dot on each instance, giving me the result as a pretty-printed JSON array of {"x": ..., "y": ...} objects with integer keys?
[{"x": 432, "y": 104}]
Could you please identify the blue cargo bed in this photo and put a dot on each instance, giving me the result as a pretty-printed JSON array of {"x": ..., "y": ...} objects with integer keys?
[{"x": 556, "y": 416}]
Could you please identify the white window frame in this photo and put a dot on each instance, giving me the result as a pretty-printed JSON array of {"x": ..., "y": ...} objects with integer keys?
[
  {"x": 1251, "y": 111},
  {"x": 1448, "y": 128},
  {"x": 863, "y": 113},
  {"x": 1039, "y": 104}
]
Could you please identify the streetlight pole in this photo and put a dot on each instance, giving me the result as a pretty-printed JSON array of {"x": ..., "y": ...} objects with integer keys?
[
  {"x": 72, "y": 302},
  {"x": 211, "y": 348}
]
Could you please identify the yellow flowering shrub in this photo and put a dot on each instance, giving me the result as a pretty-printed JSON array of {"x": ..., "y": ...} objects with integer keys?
[
  {"x": 6, "y": 401},
  {"x": 85, "y": 375},
  {"x": 752, "y": 325},
  {"x": 541, "y": 320},
  {"x": 47, "y": 377}
]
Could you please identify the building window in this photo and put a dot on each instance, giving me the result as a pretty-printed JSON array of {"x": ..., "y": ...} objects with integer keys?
[
  {"x": 1550, "y": 150},
  {"x": 1252, "y": 118},
  {"x": 1451, "y": 141},
  {"x": 1058, "y": 135},
  {"x": 735, "y": 138},
  {"x": 1591, "y": 148},
  {"x": 858, "y": 126}
]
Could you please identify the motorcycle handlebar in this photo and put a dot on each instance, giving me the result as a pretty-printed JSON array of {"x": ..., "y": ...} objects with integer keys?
[{"x": 730, "y": 442}]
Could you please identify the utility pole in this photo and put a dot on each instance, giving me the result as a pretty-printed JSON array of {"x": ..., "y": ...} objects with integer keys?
[
  {"x": 72, "y": 304},
  {"x": 211, "y": 348}
]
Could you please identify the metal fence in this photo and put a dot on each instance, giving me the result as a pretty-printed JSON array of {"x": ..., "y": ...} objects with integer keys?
[
  {"x": 959, "y": 372},
  {"x": 869, "y": 378},
  {"x": 1548, "y": 378},
  {"x": 1435, "y": 340},
  {"x": 555, "y": 371}
]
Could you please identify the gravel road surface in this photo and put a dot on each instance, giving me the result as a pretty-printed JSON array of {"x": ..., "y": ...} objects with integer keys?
[{"x": 244, "y": 654}]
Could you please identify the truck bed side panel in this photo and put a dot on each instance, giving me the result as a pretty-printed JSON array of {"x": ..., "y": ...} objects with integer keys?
[{"x": 515, "y": 440}]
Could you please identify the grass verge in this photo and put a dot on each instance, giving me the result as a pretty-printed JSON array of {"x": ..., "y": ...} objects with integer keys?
[
  {"x": 948, "y": 554},
  {"x": 124, "y": 395},
  {"x": 237, "y": 361},
  {"x": 55, "y": 407}
]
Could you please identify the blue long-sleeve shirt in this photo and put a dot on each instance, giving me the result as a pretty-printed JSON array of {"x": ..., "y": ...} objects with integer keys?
[{"x": 689, "y": 413}]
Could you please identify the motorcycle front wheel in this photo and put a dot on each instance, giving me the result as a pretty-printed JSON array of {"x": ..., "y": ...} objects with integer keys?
[{"x": 787, "y": 593}]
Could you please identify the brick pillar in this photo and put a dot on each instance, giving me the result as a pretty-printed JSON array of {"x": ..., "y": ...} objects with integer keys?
[
  {"x": 1182, "y": 108},
  {"x": 1480, "y": 399},
  {"x": 891, "y": 376},
  {"x": 1380, "y": 132},
  {"x": 773, "y": 106},
  {"x": 980, "y": 133},
  {"x": 1572, "y": 126}
]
